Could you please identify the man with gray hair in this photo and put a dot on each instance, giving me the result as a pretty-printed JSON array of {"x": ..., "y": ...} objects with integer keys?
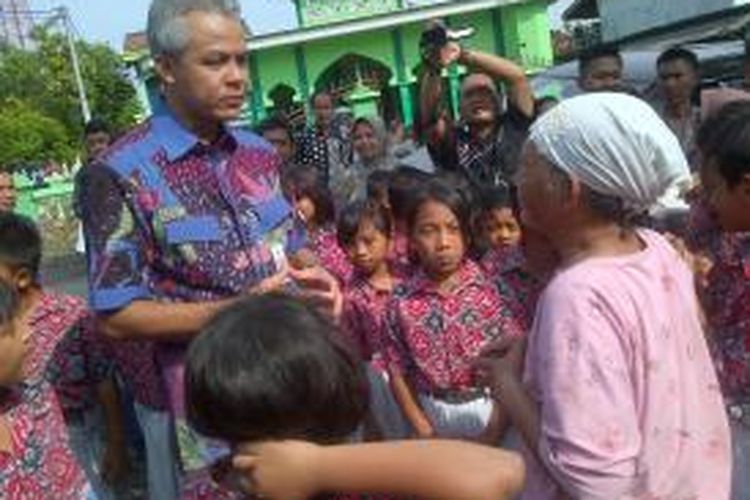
[{"x": 185, "y": 215}]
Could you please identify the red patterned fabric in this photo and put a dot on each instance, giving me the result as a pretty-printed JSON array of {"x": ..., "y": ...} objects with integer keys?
[
  {"x": 726, "y": 300},
  {"x": 433, "y": 336},
  {"x": 136, "y": 361},
  {"x": 363, "y": 319},
  {"x": 40, "y": 464},
  {"x": 331, "y": 256},
  {"x": 727, "y": 306},
  {"x": 520, "y": 290}
]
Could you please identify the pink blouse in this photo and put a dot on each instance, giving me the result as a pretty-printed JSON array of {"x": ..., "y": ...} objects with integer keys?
[{"x": 629, "y": 403}]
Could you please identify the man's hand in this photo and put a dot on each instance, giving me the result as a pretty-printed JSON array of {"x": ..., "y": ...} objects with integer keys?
[
  {"x": 271, "y": 284},
  {"x": 320, "y": 288}
]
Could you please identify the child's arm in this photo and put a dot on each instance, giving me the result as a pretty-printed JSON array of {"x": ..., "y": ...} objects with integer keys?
[
  {"x": 410, "y": 407},
  {"x": 115, "y": 461},
  {"x": 292, "y": 470}
]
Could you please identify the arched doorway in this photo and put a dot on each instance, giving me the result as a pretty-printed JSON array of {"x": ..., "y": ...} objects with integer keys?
[{"x": 362, "y": 83}]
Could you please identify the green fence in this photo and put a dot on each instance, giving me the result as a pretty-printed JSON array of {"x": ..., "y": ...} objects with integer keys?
[{"x": 50, "y": 205}]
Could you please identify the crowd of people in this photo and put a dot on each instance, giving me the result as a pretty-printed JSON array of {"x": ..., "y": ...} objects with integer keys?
[{"x": 535, "y": 299}]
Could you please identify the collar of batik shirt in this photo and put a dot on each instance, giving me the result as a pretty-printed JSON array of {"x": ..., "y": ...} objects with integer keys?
[
  {"x": 469, "y": 274},
  {"x": 178, "y": 141}
]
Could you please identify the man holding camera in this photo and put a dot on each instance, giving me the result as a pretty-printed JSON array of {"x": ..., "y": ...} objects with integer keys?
[{"x": 485, "y": 144}]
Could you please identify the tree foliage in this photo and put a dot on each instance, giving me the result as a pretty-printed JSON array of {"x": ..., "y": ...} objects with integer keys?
[
  {"x": 39, "y": 83},
  {"x": 30, "y": 137}
]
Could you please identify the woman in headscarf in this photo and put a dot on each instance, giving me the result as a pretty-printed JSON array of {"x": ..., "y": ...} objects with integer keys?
[
  {"x": 372, "y": 152},
  {"x": 618, "y": 398}
]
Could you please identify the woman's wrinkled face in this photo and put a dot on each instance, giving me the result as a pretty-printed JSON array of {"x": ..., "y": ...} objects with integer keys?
[
  {"x": 366, "y": 143},
  {"x": 538, "y": 193}
]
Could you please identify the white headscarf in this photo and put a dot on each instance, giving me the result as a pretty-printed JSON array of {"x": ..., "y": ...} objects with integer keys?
[{"x": 616, "y": 145}]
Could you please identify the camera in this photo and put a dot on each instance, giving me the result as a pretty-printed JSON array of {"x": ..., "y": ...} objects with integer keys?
[{"x": 437, "y": 36}]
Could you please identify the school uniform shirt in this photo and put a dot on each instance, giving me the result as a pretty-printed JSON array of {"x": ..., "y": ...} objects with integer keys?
[
  {"x": 505, "y": 268},
  {"x": 331, "y": 256},
  {"x": 726, "y": 300},
  {"x": 136, "y": 363},
  {"x": 363, "y": 318},
  {"x": 727, "y": 306},
  {"x": 41, "y": 464},
  {"x": 629, "y": 404},
  {"x": 81, "y": 360},
  {"x": 171, "y": 219},
  {"x": 434, "y": 335}
]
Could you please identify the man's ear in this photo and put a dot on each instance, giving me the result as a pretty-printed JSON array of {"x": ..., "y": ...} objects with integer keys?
[{"x": 164, "y": 66}]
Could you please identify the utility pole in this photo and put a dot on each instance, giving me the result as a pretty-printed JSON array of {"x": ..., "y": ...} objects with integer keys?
[
  {"x": 16, "y": 22},
  {"x": 64, "y": 16}
]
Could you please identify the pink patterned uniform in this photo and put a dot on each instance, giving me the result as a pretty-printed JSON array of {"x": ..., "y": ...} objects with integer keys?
[
  {"x": 434, "y": 336},
  {"x": 505, "y": 268},
  {"x": 364, "y": 314},
  {"x": 40, "y": 465},
  {"x": 629, "y": 401},
  {"x": 727, "y": 301},
  {"x": 331, "y": 256}
]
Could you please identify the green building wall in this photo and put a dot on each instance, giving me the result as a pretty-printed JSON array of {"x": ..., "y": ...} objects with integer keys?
[{"x": 520, "y": 32}]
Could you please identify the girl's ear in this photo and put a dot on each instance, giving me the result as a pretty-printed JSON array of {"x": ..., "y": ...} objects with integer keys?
[{"x": 23, "y": 279}]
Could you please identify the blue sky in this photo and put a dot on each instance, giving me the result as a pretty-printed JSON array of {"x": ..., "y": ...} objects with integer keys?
[{"x": 109, "y": 20}]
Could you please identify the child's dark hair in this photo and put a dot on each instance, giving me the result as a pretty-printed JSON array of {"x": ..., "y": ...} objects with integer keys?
[
  {"x": 96, "y": 126},
  {"x": 20, "y": 243},
  {"x": 305, "y": 182},
  {"x": 378, "y": 184},
  {"x": 679, "y": 54},
  {"x": 440, "y": 191},
  {"x": 498, "y": 197},
  {"x": 355, "y": 213},
  {"x": 293, "y": 175},
  {"x": 403, "y": 184},
  {"x": 9, "y": 304},
  {"x": 725, "y": 138},
  {"x": 270, "y": 367}
]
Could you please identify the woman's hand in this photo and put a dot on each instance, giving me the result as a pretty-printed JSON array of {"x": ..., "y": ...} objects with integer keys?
[{"x": 500, "y": 364}]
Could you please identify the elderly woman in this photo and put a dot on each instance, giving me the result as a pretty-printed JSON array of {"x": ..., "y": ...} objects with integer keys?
[{"x": 619, "y": 398}]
